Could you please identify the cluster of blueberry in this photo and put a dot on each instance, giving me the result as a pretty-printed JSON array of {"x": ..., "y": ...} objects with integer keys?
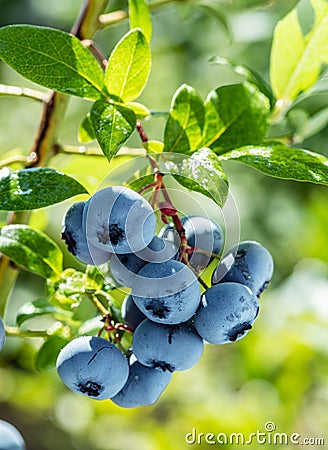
[
  {"x": 10, "y": 437},
  {"x": 166, "y": 312}
]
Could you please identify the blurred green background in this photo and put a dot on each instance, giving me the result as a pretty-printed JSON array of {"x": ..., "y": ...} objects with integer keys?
[{"x": 279, "y": 373}]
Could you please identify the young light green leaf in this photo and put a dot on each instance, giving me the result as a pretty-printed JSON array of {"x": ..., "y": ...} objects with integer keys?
[
  {"x": 185, "y": 124},
  {"x": 39, "y": 307},
  {"x": 141, "y": 111},
  {"x": 296, "y": 59},
  {"x": 140, "y": 17},
  {"x": 278, "y": 160},
  {"x": 247, "y": 74},
  {"x": 52, "y": 58},
  {"x": 32, "y": 250},
  {"x": 35, "y": 188},
  {"x": 113, "y": 125},
  {"x": 153, "y": 146},
  {"x": 128, "y": 67},
  {"x": 47, "y": 355},
  {"x": 86, "y": 132},
  {"x": 236, "y": 115}
]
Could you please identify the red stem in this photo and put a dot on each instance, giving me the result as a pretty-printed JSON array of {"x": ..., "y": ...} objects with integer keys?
[{"x": 160, "y": 187}]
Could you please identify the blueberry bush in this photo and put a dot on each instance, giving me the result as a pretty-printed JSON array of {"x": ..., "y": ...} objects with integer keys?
[{"x": 123, "y": 220}]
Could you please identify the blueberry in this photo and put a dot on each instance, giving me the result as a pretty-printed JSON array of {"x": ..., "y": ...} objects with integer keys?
[
  {"x": 93, "y": 366},
  {"x": 166, "y": 292},
  {"x": 124, "y": 267},
  {"x": 201, "y": 233},
  {"x": 75, "y": 239},
  {"x": 169, "y": 347},
  {"x": 131, "y": 314},
  {"x": 226, "y": 313},
  {"x": 143, "y": 387},
  {"x": 119, "y": 220},
  {"x": 204, "y": 234},
  {"x": 10, "y": 437},
  {"x": 249, "y": 263},
  {"x": 2, "y": 334}
]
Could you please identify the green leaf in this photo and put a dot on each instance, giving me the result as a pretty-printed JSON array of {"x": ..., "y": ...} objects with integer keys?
[
  {"x": 298, "y": 118},
  {"x": 137, "y": 182},
  {"x": 280, "y": 161},
  {"x": 185, "y": 124},
  {"x": 140, "y": 17},
  {"x": 296, "y": 59},
  {"x": 52, "y": 58},
  {"x": 84, "y": 309},
  {"x": 236, "y": 115},
  {"x": 248, "y": 75},
  {"x": 35, "y": 188},
  {"x": 128, "y": 67},
  {"x": 47, "y": 355},
  {"x": 113, "y": 125},
  {"x": 39, "y": 307},
  {"x": 86, "y": 132},
  {"x": 201, "y": 172},
  {"x": 31, "y": 250},
  {"x": 91, "y": 326}
]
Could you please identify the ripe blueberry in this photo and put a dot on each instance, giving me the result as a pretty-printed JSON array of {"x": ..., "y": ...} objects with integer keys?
[
  {"x": 201, "y": 233},
  {"x": 131, "y": 314},
  {"x": 226, "y": 313},
  {"x": 204, "y": 234},
  {"x": 93, "y": 366},
  {"x": 143, "y": 387},
  {"x": 119, "y": 220},
  {"x": 249, "y": 263},
  {"x": 166, "y": 292},
  {"x": 75, "y": 239},
  {"x": 169, "y": 347}
]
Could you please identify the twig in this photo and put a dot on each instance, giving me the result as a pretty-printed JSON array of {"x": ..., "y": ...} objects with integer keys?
[
  {"x": 93, "y": 151},
  {"x": 112, "y": 18},
  {"x": 81, "y": 150},
  {"x": 16, "y": 91},
  {"x": 103, "y": 311},
  {"x": 97, "y": 53},
  {"x": 115, "y": 17},
  {"x": 160, "y": 187},
  {"x": 204, "y": 252},
  {"x": 14, "y": 159},
  {"x": 14, "y": 331}
]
